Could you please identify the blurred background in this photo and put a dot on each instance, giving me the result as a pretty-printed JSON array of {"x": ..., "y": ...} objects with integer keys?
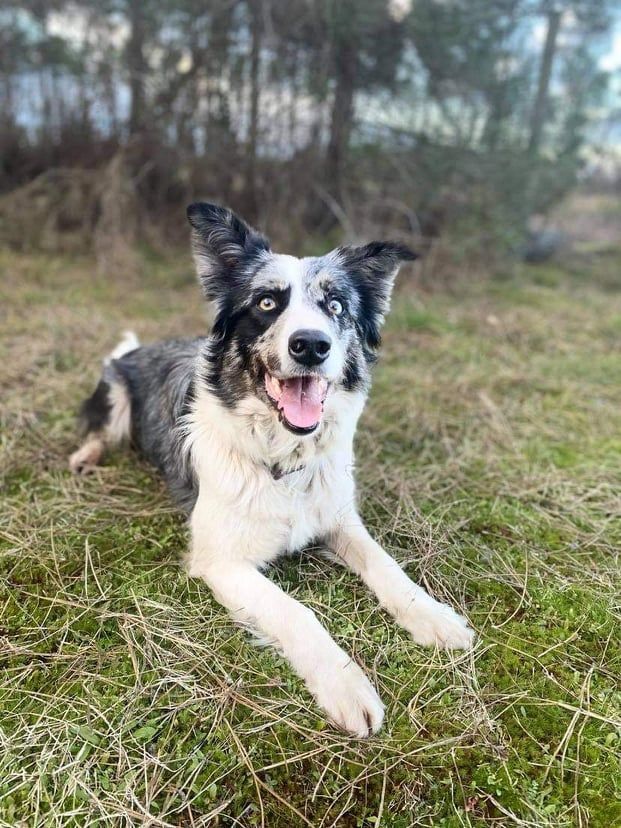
[{"x": 463, "y": 124}]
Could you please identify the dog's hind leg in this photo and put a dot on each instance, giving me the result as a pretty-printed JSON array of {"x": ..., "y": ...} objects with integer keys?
[{"x": 106, "y": 415}]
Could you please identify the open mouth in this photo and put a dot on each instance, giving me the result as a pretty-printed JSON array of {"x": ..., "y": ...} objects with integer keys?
[{"x": 299, "y": 400}]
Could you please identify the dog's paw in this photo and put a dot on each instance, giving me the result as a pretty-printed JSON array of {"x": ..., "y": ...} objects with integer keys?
[
  {"x": 349, "y": 699},
  {"x": 84, "y": 460},
  {"x": 436, "y": 625}
]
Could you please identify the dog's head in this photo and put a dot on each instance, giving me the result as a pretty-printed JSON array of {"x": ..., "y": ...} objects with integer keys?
[{"x": 289, "y": 331}]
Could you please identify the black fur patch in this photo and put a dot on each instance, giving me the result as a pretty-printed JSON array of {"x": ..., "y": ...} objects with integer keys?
[
  {"x": 355, "y": 377},
  {"x": 188, "y": 400},
  {"x": 225, "y": 248},
  {"x": 372, "y": 268},
  {"x": 229, "y": 254},
  {"x": 95, "y": 411},
  {"x": 232, "y": 369}
]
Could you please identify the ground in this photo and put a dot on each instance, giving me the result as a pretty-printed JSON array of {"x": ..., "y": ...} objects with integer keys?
[{"x": 489, "y": 465}]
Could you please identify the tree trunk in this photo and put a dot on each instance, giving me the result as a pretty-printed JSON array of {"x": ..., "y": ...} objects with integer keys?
[
  {"x": 253, "y": 127},
  {"x": 498, "y": 112},
  {"x": 137, "y": 66},
  {"x": 292, "y": 120},
  {"x": 545, "y": 71},
  {"x": 341, "y": 118}
]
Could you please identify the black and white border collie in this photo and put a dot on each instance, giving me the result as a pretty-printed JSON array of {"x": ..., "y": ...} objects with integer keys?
[{"x": 253, "y": 428}]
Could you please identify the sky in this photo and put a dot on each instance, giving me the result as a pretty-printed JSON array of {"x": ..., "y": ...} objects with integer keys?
[{"x": 611, "y": 60}]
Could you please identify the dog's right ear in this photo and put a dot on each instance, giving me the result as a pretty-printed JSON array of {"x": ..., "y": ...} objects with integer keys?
[{"x": 221, "y": 241}]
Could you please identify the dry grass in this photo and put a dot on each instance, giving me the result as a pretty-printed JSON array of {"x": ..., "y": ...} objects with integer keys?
[{"x": 489, "y": 465}]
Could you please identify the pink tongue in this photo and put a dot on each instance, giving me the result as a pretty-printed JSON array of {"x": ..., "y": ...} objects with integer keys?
[{"x": 301, "y": 401}]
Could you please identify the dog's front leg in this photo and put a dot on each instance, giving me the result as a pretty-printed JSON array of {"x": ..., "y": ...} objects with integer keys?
[
  {"x": 428, "y": 621},
  {"x": 336, "y": 682}
]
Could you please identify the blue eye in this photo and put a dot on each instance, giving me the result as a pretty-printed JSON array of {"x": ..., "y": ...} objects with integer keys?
[{"x": 335, "y": 307}]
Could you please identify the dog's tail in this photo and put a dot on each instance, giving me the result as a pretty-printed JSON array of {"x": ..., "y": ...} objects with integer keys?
[
  {"x": 129, "y": 343},
  {"x": 105, "y": 417}
]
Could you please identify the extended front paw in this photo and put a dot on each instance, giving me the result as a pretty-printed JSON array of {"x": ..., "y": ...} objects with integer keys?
[
  {"x": 349, "y": 698},
  {"x": 434, "y": 624}
]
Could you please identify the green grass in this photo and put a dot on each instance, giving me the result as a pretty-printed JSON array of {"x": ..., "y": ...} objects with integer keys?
[{"x": 489, "y": 465}]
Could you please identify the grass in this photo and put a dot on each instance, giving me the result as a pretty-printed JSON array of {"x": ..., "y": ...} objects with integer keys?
[{"x": 489, "y": 465}]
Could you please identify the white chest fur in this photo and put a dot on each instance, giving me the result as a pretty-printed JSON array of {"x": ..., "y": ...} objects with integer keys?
[{"x": 243, "y": 510}]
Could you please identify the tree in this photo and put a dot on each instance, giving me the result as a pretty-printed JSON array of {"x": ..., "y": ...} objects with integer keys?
[
  {"x": 366, "y": 44},
  {"x": 553, "y": 15},
  {"x": 256, "y": 11}
]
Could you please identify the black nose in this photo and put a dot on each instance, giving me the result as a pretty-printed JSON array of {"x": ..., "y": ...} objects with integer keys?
[{"x": 309, "y": 347}]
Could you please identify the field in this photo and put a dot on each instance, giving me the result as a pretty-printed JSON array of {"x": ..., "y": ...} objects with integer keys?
[{"x": 489, "y": 465}]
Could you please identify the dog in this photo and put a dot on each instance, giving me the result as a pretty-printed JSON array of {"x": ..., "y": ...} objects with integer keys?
[{"x": 252, "y": 427}]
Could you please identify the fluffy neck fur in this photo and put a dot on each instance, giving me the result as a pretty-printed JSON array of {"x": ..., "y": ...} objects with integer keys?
[{"x": 251, "y": 435}]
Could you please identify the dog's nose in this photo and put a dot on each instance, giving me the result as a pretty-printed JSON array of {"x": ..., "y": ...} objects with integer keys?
[{"x": 309, "y": 347}]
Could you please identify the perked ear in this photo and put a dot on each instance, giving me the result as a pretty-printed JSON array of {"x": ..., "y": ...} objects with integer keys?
[
  {"x": 373, "y": 268},
  {"x": 220, "y": 242}
]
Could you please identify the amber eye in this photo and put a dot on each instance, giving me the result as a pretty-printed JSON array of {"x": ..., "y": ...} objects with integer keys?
[
  {"x": 335, "y": 307},
  {"x": 266, "y": 303}
]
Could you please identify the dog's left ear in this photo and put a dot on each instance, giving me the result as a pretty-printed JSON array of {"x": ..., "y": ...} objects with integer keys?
[
  {"x": 373, "y": 268},
  {"x": 221, "y": 240}
]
